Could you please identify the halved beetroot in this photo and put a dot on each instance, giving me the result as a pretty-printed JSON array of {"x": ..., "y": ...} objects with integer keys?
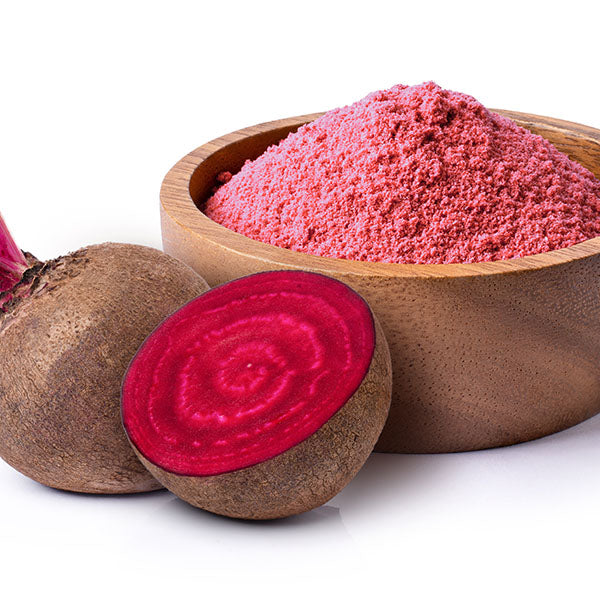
[{"x": 260, "y": 398}]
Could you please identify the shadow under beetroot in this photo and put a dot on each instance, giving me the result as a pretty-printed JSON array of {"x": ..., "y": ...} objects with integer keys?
[
  {"x": 41, "y": 488},
  {"x": 385, "y": 479},
  {"x": 323, "y": 515}
]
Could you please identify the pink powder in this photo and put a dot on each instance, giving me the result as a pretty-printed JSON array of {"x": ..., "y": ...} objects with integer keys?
[{"x": 412, "y": 175}]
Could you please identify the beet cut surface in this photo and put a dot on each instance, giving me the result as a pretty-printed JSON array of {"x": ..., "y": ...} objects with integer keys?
[{"x": 246, "y": 371}]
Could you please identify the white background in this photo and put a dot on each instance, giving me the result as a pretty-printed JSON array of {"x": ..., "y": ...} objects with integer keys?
[{"x": 97, "y": 101}]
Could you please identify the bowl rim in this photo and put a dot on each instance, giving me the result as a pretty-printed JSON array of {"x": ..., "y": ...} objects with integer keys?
[{"x": 178, "y": 204}]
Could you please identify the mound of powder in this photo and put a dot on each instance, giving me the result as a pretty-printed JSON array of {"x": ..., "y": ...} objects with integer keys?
[{"x": 412, "y": 175}]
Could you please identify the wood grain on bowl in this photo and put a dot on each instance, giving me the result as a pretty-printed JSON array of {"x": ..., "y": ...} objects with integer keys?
[{"x": 484, "y": 354}]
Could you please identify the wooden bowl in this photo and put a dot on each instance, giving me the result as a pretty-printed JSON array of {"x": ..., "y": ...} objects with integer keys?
[{"x": 484, "y": 355}]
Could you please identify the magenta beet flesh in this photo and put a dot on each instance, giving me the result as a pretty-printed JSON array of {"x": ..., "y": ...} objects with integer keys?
[{"x": 246, "y": 371}]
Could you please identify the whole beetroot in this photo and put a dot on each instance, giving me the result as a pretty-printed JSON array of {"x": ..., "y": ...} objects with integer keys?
[{"x": 68, "y": 329}]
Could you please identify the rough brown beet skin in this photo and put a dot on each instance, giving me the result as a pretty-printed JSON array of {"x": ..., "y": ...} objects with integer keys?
[{"x": 64, "y": 347}]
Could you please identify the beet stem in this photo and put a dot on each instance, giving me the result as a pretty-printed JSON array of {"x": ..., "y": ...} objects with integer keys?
[{"x": 12, "y": 261}]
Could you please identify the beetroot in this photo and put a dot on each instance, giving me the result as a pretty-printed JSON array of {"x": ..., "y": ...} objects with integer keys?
[
  {"x": 68, "y": 329},
  {"x": 261, "y": 398}
]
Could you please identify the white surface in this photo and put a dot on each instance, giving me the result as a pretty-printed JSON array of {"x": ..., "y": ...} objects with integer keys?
[{"x": 97, "y": 101}]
